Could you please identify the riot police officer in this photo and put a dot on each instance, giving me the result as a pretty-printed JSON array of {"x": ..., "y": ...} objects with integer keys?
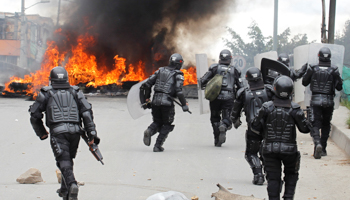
[
  {"x": 65, "y": 108},
  {"x": 294, "y": 74},
  {"x": 221, "y": 107},
  {"x": 168, "y": 83},
  {"x": 276, "y": 122},
  {"x": 250, "y": 99},
  {"x": 324, "y": 79}
]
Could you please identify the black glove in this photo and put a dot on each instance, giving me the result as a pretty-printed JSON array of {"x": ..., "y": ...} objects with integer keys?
[
  {"x": 185, "y": 108},
  {"x": 237, "y": 123},
  {"x": 44, "y": 137},
  {"x": 147, "y": 105},
  {"x": 92, "y": 135}
]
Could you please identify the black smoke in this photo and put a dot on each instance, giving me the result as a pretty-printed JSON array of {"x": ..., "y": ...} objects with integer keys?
[{"x": 137, "y": 30}]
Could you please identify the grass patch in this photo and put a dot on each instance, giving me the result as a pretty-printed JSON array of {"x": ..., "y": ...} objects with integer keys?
[{"x": 346, "y": 103}]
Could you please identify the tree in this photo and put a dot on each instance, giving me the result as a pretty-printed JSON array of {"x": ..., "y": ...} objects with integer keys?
[
  {"x": 344, "y": 39},
  {"x": 260, "y": 43}
]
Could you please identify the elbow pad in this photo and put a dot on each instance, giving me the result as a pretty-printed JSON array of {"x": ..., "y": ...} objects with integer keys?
[
  {"x": 88, "y": 121},
  {"x": 181, "y": 97},
  {"x": 38, "y": 127}
]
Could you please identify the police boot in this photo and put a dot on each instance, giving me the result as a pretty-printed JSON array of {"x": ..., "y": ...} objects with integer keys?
[
  {"x": 317, "y": 149},
  {"x": 258, "y": 179},
  {"x": 290, "y": 185},
  {"x": 73, "y": 192},
  {"x": 163, "y": 134},
  {"x": 63, "y": 191},
  {"x": 324, "y": 145},
  {"x": 149, "y": 132},
  {"x": 222, "y": 136},
  {"x": 216, "y": 133},
  {"x": 63, "y": 194}
]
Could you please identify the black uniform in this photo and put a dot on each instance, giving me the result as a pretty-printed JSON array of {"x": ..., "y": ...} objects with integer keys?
[
  {"x": 221, "y": 107},
  {"x": 294, "y": 74},
  {"x": 276, "y": 122},
  {"x": 250, "y": 99},
  {"x": 324, "y": 79},
  {"x": 168, "y": 83},
  {"x": 65, "y": 108}
]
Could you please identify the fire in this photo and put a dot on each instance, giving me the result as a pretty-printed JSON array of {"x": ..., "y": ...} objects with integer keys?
[
  {"x": 190, "y": 76},
  {"x": 82, "y": 67}
]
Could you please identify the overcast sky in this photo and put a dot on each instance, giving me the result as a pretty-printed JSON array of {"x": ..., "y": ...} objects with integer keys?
[{"x": 301, "y": 16}]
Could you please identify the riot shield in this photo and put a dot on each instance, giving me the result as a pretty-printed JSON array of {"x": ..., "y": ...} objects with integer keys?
[
  {"x": 268, "y": 65},
  {"x": 309, "y": 54},
  {"x": 202, "y": 68},
  {"x": 271, "y": 55},
  {"x": 133, "y": 102}
]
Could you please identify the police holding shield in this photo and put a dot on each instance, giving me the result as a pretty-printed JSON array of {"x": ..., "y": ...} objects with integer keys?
[
  {"x": 294, "y": 74},
  {"x": 221, "y": 106},
  {"x": 168, "y": 82},
  {"x": 250, "y": 99},
  {"x": 65, "y": 108},
  {"x": 324, "y": 79}
]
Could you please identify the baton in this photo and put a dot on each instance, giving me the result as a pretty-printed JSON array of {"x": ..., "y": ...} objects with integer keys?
[{"x": 178, "y": 103}]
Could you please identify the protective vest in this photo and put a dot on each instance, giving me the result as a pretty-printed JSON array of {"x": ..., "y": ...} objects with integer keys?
[
  {"x": 253, "y": 102},
  {"x": 164, "y": 87},
  {"x": 322, "y": 80},
  {"x": 280, "y": 126},
  {"x": 61, "y": 108},
  {"x": 228, "y": 80}
]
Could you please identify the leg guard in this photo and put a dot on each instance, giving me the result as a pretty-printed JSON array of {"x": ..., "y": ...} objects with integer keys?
[
  {"x": 163, "y": 134},
  {"x": 149, "y": 132},
  {"x": 290, "y": 181},
  {"x": 216, "y": 132},
  {"x": 68, "y": 176}
]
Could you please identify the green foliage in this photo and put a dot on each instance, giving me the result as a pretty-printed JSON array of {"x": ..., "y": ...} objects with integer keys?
[
  {"x": 344, "y": 39},
  {"x": 346, "y": 103},
  {"x": 259, "y": 43}
]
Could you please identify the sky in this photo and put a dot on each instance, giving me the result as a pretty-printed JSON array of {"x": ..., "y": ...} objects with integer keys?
[{"x": 301, "y": 16}]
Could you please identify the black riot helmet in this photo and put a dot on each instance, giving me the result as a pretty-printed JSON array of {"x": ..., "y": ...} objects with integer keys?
[
  {"x": 284, "y": 58},
  {"x": 253, "y": 74},
  {"x": 324, "y": 54},
  {"x": 176, "y": 61},
  {"x": 225, "y": 57},
  {"x": 59, "y": 77},
  {"x": 283, "y": 86}
]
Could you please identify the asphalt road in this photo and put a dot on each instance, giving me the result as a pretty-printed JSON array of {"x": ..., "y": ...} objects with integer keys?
[{"x": 190, "y": 163}]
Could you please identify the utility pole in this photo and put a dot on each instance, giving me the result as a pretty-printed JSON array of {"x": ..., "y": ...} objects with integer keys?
[
  {"x": 58, "y": 12},
  {"x": 23, "y": 50},
  {"x": 323, "y": 24},
  {"x": 275, "y": 26},
  {"x": 331, "y": 21}
]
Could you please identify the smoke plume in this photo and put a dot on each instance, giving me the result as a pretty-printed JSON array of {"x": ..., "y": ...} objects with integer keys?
[{"x": 147, "y": 30}]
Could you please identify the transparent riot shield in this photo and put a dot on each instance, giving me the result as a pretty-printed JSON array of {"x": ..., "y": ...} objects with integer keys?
[
  {"x": 133, "y": 102},
  {"x": 271, "y": 55},
  {"x": 309, "y": 54},
  {"x": 202, "y": 68}
]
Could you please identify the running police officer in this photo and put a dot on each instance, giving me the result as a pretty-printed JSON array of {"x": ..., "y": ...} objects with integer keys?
[
  {"x": 276, "y": 122},
  {"x": 65, "y": 107},
  {"x": 168, "y": 83},
  {"x": 221, "y": 107}
]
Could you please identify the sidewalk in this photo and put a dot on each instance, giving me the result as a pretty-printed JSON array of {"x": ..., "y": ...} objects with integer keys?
[{"x": 340, "y": 134}]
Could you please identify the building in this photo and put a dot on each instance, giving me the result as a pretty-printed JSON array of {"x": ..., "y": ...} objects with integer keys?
[{"x": 38, "y": 29}]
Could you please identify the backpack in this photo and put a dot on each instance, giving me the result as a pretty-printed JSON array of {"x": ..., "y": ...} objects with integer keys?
[{"x": 213, "y": 88}]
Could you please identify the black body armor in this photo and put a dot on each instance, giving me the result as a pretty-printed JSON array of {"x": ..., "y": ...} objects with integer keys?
[
  {"x": 167, "y": 83},
  {"x": 230, "y": 81},
  {"x": 279, "y": 126},
  {"x": 323, "y": 78}
]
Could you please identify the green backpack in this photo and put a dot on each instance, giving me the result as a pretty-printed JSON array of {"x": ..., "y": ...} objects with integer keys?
[{"x": 213, "y": 87}]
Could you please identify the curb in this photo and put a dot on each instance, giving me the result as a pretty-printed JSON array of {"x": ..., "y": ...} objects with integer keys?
[{"x": 341, "y": 139}]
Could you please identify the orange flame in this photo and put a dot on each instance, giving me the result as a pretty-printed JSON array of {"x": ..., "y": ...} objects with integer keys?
[
  {"x": 190, "y": 75},
  {"x": 82, "y": 67}
]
